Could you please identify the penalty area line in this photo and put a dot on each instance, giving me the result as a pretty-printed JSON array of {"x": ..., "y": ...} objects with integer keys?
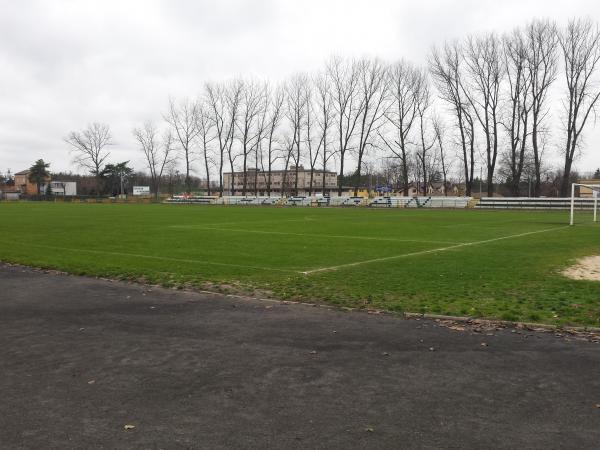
[{"x": 425, "y": 252}]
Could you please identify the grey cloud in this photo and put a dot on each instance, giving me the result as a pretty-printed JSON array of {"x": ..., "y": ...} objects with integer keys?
[{"x": 66, "y": 63}]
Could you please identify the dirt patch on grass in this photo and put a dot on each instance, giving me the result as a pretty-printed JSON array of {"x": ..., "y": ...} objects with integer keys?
[{"x": 587, "y": 268}]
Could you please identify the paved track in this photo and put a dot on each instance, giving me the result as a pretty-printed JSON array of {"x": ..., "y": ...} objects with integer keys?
[{"x": 80, "y": 358}]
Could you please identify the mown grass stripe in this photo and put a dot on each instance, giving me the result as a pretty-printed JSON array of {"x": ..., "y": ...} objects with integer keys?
[
  {"x": 312, "y": 235},
  {"x": 425, "y": 252},
  {"x": 162, "y": 258}
]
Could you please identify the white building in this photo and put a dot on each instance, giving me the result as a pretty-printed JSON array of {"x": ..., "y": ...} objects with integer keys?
[{"x": 63, "y": 188}]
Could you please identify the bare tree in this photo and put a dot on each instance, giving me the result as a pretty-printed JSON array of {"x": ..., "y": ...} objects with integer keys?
[
  {"x": 347, "y": 103},
  {"x": 519, "y": 105},
  {"x": 183, "y": 119},
  {"x": 405, "y": 85},
  {"x": 90, "y": 149},
  {"x": 262, "y": 125},
  {"x": 288, "y": 150},
  {"x": 448, "y": 74},
  {"x": 424, "y": 159},
  {"x": 171, "y": 173},
  {"x": 580, "y": 44},
  {"x": 215, "y": 98},
  {"x": 233, "y": 95},
  {"x": 296, "y": 113},
  {"x": 250, "y": 102},
  {"x": 275, "y": 115},
  {"x": 205, "y": 126},
  {"x": 223, "y": 102},
  {"x": 483, "y": 60},
  {"x": 373, "y": 90},
  {"x": 324, "y": 108},
  {"x": 439, "y": 132},
  {"x": 314, "y": 141},
  {"x": 542, "y": 43},
  {"x": 158, "y": 154}
]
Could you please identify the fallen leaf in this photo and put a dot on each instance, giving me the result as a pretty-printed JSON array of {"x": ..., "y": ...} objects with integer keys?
[
  {"x": 431, "y": 349},
  {"x": 484, "y": 344},
  {"x": 92, "y": 382},
  {"x": 313, "y": 352},
  {"x": 369, "y": 429},
  {"x": 128, "y": 427},
  {"x": 385, "y": 354}
]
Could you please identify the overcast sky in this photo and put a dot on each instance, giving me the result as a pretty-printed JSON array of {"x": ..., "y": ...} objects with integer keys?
[{"x": 65, "y": 64}]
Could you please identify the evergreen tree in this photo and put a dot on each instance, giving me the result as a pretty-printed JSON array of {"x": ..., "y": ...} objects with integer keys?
[
  {"x": 117, "y": 176},
  {"x": 38, "y": 173}
]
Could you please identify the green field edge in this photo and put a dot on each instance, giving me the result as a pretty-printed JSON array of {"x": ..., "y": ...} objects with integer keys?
[{"x": 250, "y": 291}]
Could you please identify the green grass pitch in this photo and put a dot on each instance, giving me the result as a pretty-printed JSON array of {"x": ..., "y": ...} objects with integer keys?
[{"x": 496, "y": 264}]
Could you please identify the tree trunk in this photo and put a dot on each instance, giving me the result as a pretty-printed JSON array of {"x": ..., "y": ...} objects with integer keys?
[
  {"x": 536, "y": 161},
  {"x": 341, "y": 176},
  {"x": 564, "y": 186},
  {"x": 358, "y": 172}
]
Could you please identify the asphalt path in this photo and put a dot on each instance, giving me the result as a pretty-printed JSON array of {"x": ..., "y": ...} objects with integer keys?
[{"x": 88, "y": 363}]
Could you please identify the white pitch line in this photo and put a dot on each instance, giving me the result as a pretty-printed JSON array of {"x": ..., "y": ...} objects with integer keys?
[
  {"x": 424, "y": 252},
  {"x": 161, "y": 258},
  {"x": 312, "y": 235}
]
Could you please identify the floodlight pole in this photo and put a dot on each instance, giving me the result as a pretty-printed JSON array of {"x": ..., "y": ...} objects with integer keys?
[{"x": 572, "y": 202}]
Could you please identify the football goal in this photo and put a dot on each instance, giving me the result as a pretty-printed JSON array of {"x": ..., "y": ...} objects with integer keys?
[{"x": 585, "y": 202}]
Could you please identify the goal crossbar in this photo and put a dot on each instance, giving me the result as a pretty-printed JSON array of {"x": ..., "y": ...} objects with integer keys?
[{"x": 595, "y": 188}]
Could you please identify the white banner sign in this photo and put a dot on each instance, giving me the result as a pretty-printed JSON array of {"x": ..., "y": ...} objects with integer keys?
[{"x": 141, "y": 190}]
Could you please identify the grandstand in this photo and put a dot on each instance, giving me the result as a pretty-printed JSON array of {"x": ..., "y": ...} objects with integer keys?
[
  {"x": 534, "y": 203},
  {"x": 344, "y": 201}
]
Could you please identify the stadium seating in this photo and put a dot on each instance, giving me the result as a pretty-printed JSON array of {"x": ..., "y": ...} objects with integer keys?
[
  {"x": 194, "y": 199},
  {"x": 389, "y": 202},
  {"x": 323, "y": 201},
  {"x": 299, "y": 201},
  {"x": 533, "y": 203},
  {"x": 346, "y": 201},
  {"x": 447, "y": 202},
  {"x": 251, "y": 200},
  {"x": 353, "y": 201},
  {"x": 420, "y": 202}
]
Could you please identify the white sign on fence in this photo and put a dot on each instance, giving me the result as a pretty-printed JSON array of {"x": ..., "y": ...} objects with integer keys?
[{"x": 141, "y": 190}]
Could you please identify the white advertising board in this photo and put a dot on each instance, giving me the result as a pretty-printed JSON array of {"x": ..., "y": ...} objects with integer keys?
[{"x": 141, "y": 190}]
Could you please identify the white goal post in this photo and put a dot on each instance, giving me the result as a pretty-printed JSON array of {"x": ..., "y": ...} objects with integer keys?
[{"x": 595, "y": 188}]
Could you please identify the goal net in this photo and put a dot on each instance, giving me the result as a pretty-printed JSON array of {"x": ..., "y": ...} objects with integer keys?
[{"x": 589, "y": 194}]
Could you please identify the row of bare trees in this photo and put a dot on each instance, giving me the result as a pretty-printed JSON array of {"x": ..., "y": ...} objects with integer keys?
[
  {"x": 348, "y": 113},
  {"x": 488, "y": 100},
  {"x": 499, "y": 89}
]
